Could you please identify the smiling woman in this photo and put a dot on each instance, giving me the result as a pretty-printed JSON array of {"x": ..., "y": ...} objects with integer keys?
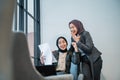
[
  {"x": 61, "y": 55},
  {"x": 92, "y": 66},
  {"x": 101, "y": 21}
]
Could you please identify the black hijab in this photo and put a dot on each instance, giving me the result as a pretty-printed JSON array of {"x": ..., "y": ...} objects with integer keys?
[{"x": 58, "y": 46}]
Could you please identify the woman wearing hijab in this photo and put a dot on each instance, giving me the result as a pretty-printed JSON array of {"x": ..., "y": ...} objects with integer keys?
[
  {"x": 62, "y": 55},
  {"x": 62, "y": 65},
  {"x": 89, "y": 55}
]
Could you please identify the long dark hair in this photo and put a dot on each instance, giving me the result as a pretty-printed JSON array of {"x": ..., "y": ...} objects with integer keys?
[{"x": 78, "y": 24}]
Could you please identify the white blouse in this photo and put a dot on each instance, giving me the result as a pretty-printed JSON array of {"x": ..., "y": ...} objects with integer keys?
[{"x": 61, "y": 62}]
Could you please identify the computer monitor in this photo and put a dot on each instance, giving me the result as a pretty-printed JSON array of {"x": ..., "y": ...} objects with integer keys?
[{"x": 47, "y": 70}]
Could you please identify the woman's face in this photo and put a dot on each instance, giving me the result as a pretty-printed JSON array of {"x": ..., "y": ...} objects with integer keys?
[
  {"x": 62, "y": 44},
  {"x": 73, "y": 29}
]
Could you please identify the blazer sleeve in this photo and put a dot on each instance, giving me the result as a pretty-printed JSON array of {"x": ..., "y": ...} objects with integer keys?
[{"x": 87, "y": 46}]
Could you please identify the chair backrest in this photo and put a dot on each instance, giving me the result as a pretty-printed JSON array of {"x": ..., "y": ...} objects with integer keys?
[
  {"x": 30, "y": 39},
  {"x": 22, "y": 65},
  {"x": 60, "y": 77}
]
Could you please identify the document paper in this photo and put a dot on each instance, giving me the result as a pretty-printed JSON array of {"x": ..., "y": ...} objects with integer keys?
[{"x": 45, "y": 49}]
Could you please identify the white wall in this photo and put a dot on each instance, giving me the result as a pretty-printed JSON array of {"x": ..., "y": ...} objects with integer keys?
[{"x": 100, "y": 17}]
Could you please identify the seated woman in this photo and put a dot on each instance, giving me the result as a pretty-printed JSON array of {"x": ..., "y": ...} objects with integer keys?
[{"x": 61, "y": 55}]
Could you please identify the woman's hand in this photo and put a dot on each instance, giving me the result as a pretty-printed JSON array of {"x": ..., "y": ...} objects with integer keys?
[
  {"x": 75, "y": 37},
  {"x": 75, "y": 46},
  {"x": 42, "y": 58}
]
